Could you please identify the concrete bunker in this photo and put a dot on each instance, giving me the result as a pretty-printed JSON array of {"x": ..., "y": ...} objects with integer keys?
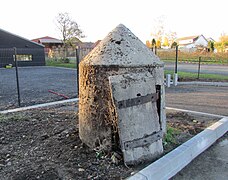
[{"x": 121, "y": 97}]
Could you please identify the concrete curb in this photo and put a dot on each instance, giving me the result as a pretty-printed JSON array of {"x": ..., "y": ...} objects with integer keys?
[
  {"x": 222, "y": 84},
  {"x": 170, "y": 164},
  {"x": 39, "y": 106}
]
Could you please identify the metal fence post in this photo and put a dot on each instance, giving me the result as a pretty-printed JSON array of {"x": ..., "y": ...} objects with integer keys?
[
  {"x": 176, "y": 60},
  {"x": 77, "y": 67},
  {"x": 175, "y": 78},
  {"x": 199, "y": 67},
  {"x": 17, "y": 78}
]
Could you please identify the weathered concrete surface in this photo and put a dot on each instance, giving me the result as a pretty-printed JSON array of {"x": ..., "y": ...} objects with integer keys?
[
  {"x": 138, "y": 125},
  {"x": 122, "y": 48},
  {"x": 121, "y": 52}
]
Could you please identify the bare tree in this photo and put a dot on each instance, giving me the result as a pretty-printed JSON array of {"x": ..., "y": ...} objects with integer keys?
[
  {"x": 171, "y": 37},
  {"x": 160, "y": 33},
  {"x": 158, "y": 30},
  {"x": 69, "y": 30}
]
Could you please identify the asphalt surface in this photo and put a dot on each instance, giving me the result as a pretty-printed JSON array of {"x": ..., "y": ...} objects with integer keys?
[
  {"x": 204, "y": 68},
  {"x": 35, "y": 83},
  {"x": 212, "y": 164},
  {"x": 208, "y": 99}
]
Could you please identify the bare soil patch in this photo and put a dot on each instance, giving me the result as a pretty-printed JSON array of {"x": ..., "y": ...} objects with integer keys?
[{"x": 45, "y": 144}]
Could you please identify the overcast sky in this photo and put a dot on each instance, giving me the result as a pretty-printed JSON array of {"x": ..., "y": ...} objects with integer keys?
[{"x": 34, "y": 19}]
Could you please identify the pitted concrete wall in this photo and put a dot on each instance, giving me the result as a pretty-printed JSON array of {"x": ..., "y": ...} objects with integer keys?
[{"x": 121, "y": 52}]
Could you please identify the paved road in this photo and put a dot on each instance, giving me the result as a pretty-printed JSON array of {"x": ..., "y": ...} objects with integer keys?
[{"x": 207, "y": 69}]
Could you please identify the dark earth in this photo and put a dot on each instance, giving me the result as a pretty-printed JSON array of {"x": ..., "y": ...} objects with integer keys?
[{"x": 45, "y": 144}]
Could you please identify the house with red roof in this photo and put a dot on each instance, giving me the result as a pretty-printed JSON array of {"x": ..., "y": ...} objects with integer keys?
[{"x": 49, "y": 43}]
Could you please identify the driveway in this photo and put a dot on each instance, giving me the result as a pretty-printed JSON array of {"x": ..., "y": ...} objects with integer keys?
[{"x": 35, "y": 83}]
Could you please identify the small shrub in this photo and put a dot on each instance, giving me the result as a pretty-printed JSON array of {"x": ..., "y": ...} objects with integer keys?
[
  {"x": 65, "y": 60},
  {"x": 170, "y": 136}
]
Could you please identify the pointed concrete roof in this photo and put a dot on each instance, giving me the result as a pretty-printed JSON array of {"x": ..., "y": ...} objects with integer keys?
[{"x": 122, "y": 48}]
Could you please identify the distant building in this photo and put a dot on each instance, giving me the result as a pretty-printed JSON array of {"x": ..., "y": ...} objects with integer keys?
[
  {"x": 54, "y": 47},
  {"x": 192, "y": 43},
  {"x": 29, "y": 53},
  {"x": 49, "y": 43}
]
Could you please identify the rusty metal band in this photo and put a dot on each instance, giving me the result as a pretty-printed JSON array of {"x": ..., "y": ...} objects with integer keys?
[
  {"x": 144, "y": 141},
  {"x": 138, "y": 100}
]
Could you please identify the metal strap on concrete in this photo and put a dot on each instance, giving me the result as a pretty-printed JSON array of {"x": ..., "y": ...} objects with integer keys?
[
  {"x": 39, "y": 106},
  {"x": 149, "y": 139},
  {"x": 138, "y": 100}
]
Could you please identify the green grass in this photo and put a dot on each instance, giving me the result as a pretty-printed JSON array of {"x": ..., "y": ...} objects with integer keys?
[
  {"x": 60, "y": 64},
  {"x": 189, "y": 75}
]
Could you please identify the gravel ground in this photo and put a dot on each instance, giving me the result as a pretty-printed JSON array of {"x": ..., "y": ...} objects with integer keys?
[
  {"x": 36, "y": 81},
  {"x": 208, "y": 99},
  {"x": 34, "y": 85}
]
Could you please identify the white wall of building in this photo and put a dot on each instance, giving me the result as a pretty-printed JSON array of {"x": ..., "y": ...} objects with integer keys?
[{"x": 201, "y": 41}]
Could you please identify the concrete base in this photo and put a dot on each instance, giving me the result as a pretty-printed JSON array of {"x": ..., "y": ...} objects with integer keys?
[
  {"x": 168, "y": 80},
  {"x": 175, "y": 79}
]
